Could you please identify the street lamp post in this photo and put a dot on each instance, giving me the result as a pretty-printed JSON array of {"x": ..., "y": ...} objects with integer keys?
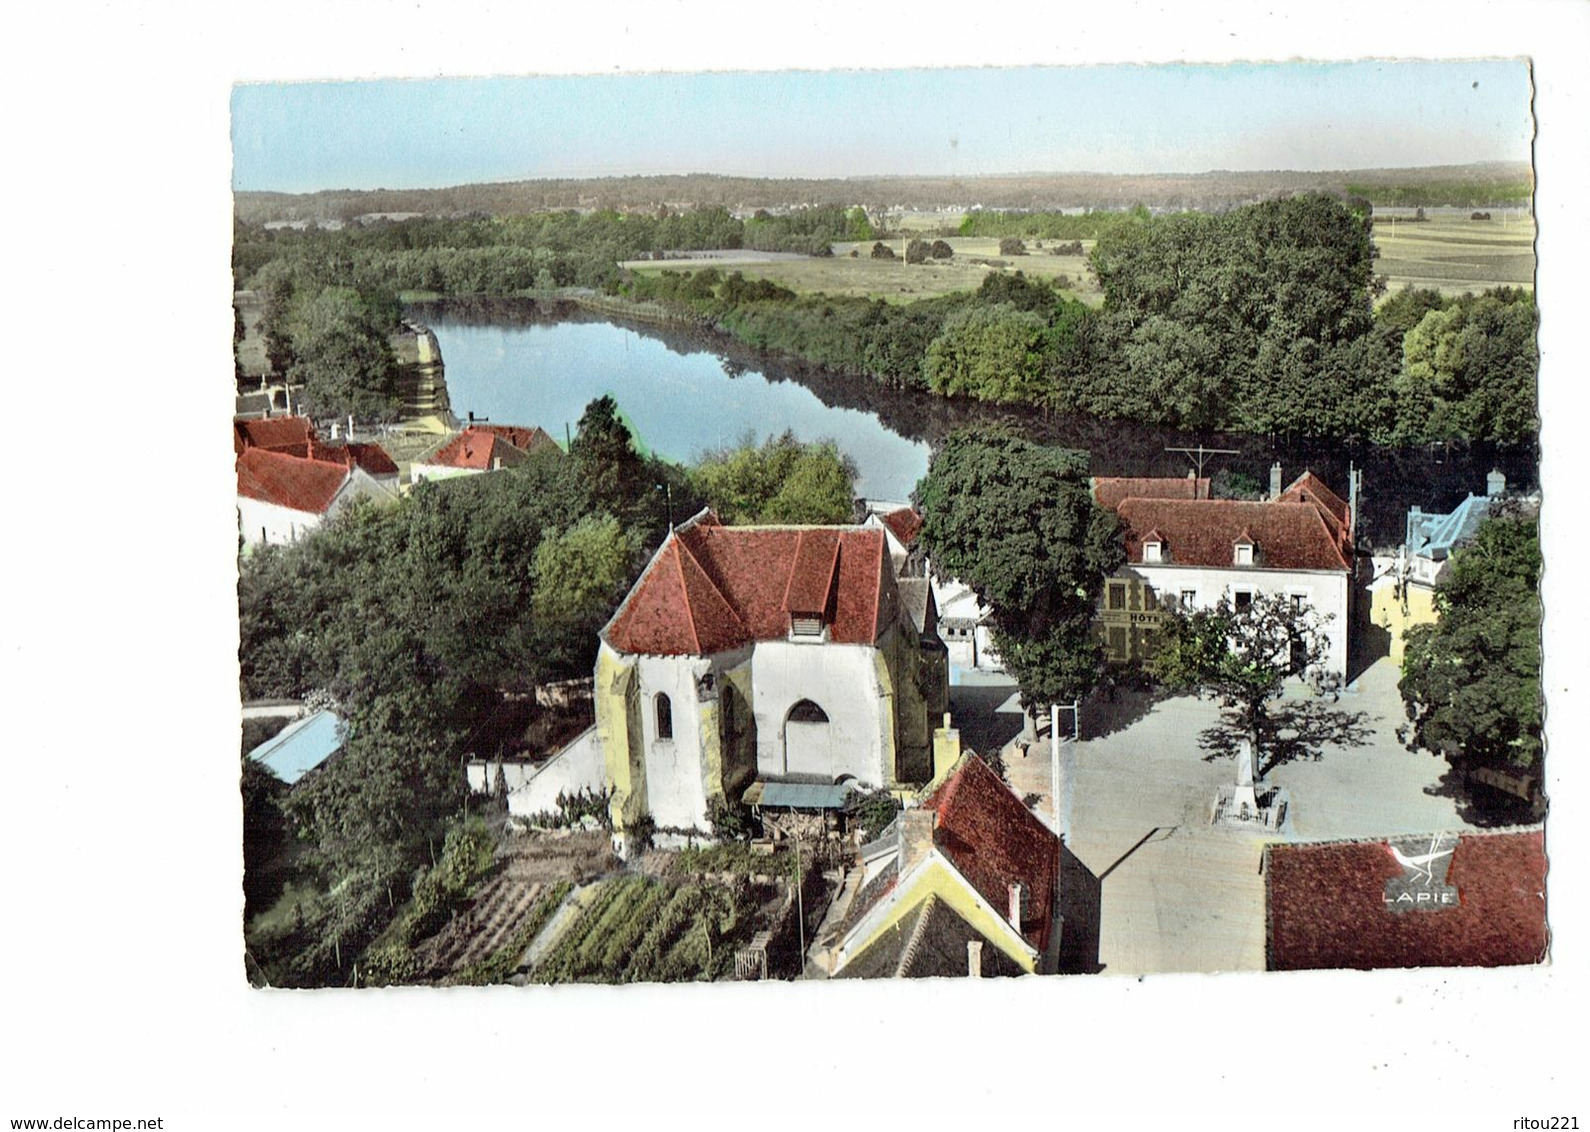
[{"x": 668, "y": 494}]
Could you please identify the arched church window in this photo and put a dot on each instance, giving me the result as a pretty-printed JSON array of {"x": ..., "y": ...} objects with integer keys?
[
  {"x": 807, "y": 712},
  {"x": 665, "y": 717}
]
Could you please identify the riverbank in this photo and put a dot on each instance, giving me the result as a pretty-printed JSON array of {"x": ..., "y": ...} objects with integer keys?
[
  {"x": 1436, "y": 477},
  {"x": 421, "y": 383}
]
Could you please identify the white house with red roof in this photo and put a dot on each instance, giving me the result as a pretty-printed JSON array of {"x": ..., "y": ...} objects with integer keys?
[
  {"x": 371, "y": 458},
  {"x": 281, "y": 496},
  {"x": 481, "y": 448},
  {"x": 1185, "y": 551},
  {"x": 756, "y": 654},
  {"x": 963, "y": 618}
]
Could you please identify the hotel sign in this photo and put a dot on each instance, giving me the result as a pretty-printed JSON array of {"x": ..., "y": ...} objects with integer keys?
[{"x": 1423, "y": 886}]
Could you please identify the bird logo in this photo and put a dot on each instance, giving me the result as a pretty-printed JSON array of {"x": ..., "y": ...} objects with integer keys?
[{"x": 1418, "y": 889}]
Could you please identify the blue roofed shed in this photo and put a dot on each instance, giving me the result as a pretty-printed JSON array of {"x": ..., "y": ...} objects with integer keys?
[
  {"x": 797, "y": 795},
  {"x": 301, "y": 746}
]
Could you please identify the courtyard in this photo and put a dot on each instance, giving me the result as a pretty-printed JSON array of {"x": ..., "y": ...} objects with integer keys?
[{"x": 1153, "y": 886}]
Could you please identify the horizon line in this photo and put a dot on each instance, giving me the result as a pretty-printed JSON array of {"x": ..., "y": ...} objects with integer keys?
[{"x": 1523, "y": 164}]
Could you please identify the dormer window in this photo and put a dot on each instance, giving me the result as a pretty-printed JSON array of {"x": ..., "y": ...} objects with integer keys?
[
  {"x": 1153, "y": 547},
  {"x": 805, "y": 627},
  {"x": 1243, "y": 550}
]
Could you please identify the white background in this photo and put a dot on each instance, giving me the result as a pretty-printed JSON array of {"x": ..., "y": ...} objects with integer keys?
[{"x": 123, "y": 985}]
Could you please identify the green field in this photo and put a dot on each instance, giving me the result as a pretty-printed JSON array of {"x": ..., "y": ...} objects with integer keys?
[
  {"x": 1453, "y": 254},
  {"x": 895, "y": 281}
]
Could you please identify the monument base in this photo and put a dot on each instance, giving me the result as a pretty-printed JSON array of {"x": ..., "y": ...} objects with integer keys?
[{"x": 1246, "y": 807}]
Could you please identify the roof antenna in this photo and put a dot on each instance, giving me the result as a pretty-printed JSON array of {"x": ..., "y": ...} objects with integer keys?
[{"x": 1200, "y": 454}]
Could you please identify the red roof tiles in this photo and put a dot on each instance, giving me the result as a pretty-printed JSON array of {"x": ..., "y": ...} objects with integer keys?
[
  {"x": 1288, "y": 536},
  {"x": 1327, "y": 906},
  {"x": 905, "y": 524},
  {"x": 478, "y": 448},
  {"x": 1309, "y": 488},
  {"x": 371, "y": 457},
  {"x": 812, "y": 577},
  {"x": 524, "y": 439},
  {"x": 289, "y": 481},
  {"x": 1110, "y": 491},
  {"x": 995, "y": 841},
  {"x": 275, "y": 434},
  {"x": 711, "y": 587}
]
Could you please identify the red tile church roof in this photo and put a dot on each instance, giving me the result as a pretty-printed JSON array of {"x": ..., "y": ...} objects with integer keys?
[
  {"x": 995, "y": 841},
  {"x": 1327, "y": 906},
  {"x": 711, "y": 588},
  {"x": 289, "y": 481}
]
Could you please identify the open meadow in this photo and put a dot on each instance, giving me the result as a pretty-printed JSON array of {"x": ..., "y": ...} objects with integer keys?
[
  {"x": 896, "y": 281},
  {"x": 1453, "y": 254},
  {"x": 1448, "y": 252}
]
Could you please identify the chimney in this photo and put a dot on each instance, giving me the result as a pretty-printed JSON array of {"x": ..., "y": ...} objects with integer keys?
[
  {"x": 974, "y": 958},
  {"x": 1275, "y": 481},
  {"x": 1015, "y": 906},
  {"x": 916, "y": 835},
  {"x": 1495, "y": 483}
]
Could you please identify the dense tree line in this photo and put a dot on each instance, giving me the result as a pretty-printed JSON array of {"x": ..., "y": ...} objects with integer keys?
[
  {"x": 1498, "y": 181},
  {"x": 1449, "y": 192},
  {"x": 1259, "y": 320},
  {"x": 484, "y": 255},
  {"x": 1049, "y": 225}
]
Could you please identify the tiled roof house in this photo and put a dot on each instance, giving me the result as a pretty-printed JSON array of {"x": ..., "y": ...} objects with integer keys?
[
  {"x": 280, "y": 496},
  {"x": 481, "y": 448},
  {"x": 1111, "y": 490},
  {"x": 1186, "y": 552},
  {"x": 1402, "y": 593},
  {"x": 292, "y": 435},
  {"x": 773, "y": 654},
  {"x": 973, "y": 846}
]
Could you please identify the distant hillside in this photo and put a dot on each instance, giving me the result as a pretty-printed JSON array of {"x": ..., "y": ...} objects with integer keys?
[{"x": 1491, "y": 183}]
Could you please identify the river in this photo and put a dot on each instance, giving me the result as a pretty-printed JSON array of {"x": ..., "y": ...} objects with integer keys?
[{"x": 686, "y": 392}]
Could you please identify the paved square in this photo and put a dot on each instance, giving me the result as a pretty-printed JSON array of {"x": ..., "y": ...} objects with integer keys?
[{"x": 1177, "y": 894}]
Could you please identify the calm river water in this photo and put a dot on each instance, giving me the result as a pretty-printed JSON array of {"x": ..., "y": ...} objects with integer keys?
[
  {"x": 679, "y": 404},
  {"x": 687, "y": 393}
]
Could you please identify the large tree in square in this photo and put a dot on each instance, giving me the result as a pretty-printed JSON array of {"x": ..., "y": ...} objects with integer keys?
[{"x": 1017, "y": 522}]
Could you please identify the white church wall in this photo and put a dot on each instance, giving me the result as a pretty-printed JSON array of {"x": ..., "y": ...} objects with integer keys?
[{"x": 840, "y": 679}]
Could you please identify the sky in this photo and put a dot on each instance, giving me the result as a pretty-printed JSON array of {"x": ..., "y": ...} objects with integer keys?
[{"x": 413, "y": 133}]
